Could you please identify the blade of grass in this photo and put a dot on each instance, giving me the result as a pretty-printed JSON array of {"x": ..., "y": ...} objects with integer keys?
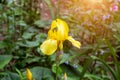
[
  {"x": 20, "y": 74},
  {"x": 107, "y": 66},
  {"x": 58, "y": 9},
  {"x": 116, "y": 63},
  {"x": 85, "y": 67},
  {"x": 51, "y": 8}
]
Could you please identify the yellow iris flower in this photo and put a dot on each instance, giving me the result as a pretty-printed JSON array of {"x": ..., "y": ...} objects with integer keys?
[
  {"x": 28, "y": 74},
  {"x": 57, "y": 34},
  {"x": 65, "y": 76}
]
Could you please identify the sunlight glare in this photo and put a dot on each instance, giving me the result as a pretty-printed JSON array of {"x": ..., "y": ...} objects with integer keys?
[{"x": 95, "y": 1}]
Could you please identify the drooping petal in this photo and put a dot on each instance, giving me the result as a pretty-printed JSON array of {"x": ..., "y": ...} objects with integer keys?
[
  {"x": 74, "y": 42},
  {"x": 28, "y": 74},
  {"x": 49, "y": 46}
]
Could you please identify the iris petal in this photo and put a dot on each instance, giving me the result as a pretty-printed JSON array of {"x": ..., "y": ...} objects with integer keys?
[
  {"x": 62, "y": 29},
  {"x": 49, "y": 46},
  {"x": 59, "y": 30},
  {"x": 74, "y": 42}
]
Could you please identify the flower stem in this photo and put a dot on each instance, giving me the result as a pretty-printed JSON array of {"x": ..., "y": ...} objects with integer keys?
[{"x": 58, "y": 57}]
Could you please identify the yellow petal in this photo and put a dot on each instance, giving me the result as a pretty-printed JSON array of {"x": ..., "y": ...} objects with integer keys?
[
  {"x": 65, "y": 76},
  {"x": 59, "y": 23},
  {"x": 49, "y": 46},
  {"x": 61, "y": 45},
  {"x": 63, "y": 29},
  {"x": 52, "y": 35},
  {"x": 28, "y": 74},
  {"x": 59, "y": 30},
  {"x": 74, "y": 42}
]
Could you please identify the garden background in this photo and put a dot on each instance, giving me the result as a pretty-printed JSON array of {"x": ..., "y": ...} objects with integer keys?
[{"x": 24, "y": 26}]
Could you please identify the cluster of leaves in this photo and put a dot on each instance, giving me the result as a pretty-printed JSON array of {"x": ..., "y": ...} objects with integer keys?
[{"x": 23, "y": 30}]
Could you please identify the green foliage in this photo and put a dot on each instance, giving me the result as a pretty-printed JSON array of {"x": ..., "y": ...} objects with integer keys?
[
  {"x": 11, "y": 76},
  {"x": 42, "y": 73},
  {"x": 23, "y": 29},
  {"x": 4, "y": 60},
  {"x": 41, "y": 23}
]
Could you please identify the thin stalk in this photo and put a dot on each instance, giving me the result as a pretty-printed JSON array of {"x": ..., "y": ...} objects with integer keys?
[
  {"x": 116, "y": 63},
  {"x": 58, "y": 9},
  {"x": 109, "y": 68},
  {"x": 85, "y": 67},
  {"x": 51, "y": 8},
  {"x": 58, "y": 57},
  {"x": 13, "y": 15},
  {"x": 21, "y": 7},
  {"x": 8, "y": 25}
]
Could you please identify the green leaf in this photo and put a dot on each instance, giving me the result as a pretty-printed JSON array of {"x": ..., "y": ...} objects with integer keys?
[
  {"x": 41, "y": 73},
  {"x": 56, "y": 69},
  {"x": 85, "y": 67},
  {"x": 117, "y": 37},
  {"x": 32, "y": 43},
  {"x": 41, "y": 23},
  {"x": 22, "y": 23},
  {"x": 18, "y": 11},
  {"x": 93, "y": 77},
  {"x": 9, "y": 1},
  {"x": 11, "y": 76},
  {"x": 27, "y": 35},
  {"x": 107, "y": 66},
  {"x": 4, "y": 60},
  {"x": 20, "y": 74},
  {"x": 72, "y": 73},
  {"x": 28, "y": 44},
  {"x": 31, "y": 60},
  {"x": 116, "y": 63},
  {"x": 65, "y": 57},
  {"x": 2, "y": 44},
  {"x": 41, "y": 37}
]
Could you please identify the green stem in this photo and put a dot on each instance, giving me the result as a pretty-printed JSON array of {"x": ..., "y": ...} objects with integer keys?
[
  {"x": 51, "y": 8},
  {"x": 7, "y": 25},
  {"x": 58, "y": 9},
  {"x": 58, "y": 57}
]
